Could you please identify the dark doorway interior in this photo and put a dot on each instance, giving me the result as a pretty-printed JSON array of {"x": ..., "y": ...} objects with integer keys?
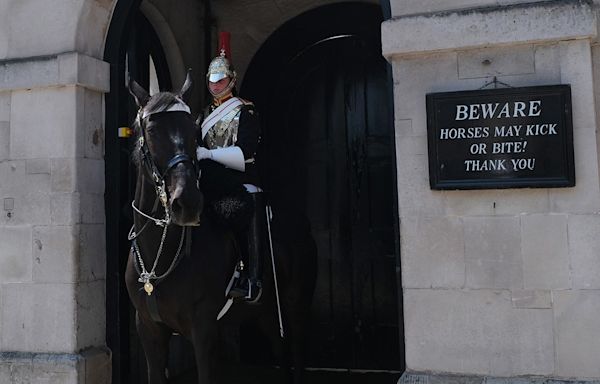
[
  {"x": 133, "y": 49},
  {"x": 323, "y": 94}
]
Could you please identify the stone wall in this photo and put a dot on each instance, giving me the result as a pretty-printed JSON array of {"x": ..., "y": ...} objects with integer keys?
[
  {"x": 52, "y": 252},
  {"x": 499, "y": 283}
]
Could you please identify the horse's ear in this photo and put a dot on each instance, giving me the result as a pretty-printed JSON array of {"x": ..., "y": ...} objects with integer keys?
[
  {"x": 140, "y": 95},
  {"x": 187, "y": 84}
]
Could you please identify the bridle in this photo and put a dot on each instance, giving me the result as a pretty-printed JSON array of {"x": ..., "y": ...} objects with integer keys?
[{"x": 158, "y": 179}]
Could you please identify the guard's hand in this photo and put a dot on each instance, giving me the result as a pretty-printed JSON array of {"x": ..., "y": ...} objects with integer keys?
[{"x": 203, "y": 153}]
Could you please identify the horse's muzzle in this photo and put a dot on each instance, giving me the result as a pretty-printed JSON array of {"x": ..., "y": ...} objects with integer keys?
[{"x": 186, "y": 205}]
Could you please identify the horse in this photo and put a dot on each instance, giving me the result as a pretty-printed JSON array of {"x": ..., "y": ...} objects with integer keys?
[{"x": 181, "y": 261}]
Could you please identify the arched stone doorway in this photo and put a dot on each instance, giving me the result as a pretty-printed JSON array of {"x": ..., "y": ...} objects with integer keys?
[{"x": 363, "y": 39}]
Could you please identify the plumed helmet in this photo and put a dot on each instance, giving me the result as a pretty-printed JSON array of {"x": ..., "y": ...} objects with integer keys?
[{"x": 220, "y": 67}]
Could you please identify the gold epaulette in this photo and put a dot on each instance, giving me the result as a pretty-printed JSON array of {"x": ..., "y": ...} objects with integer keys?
[{"x": 246, "y": 102}]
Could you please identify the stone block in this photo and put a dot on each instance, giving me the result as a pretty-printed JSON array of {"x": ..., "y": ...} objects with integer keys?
[
  {"x": 48, "y": 115},
  {"x": 90, "y": 176},
  {"x": 5, "y": 105},
  {"x": 37, "y": 166},
  {"x": 92, "y": 123},
  {"x": 92, "y": 366},
  {"x": 55, "y": 249},
  {"x": 495, "y": 202},
  {"x": 403, "y": 128},
  {"x": 98, "y": 369},
  {"x": 45, "y": 38},
  {"x": 91, "y": 314},
  {"x": 531, "y": 299},
  {"x": 437, "y": 378},
  {"x": 476, "y": 332},
  {"x": 42, "y": 71},
  {"x": 65, "y": 208},
  {"x": 15, "y": 254},
  {"x": 585, "y": 195},
  {"x": 95, "y": 15},
  {"x": 576, "y": 70},
  {"x": 485, "y": 27},
  {"x": 4, "y": 35},
  {"x": 415, "y": 198},
  {"x": 4, "y": 140},
  {"x": 584, "y": 248},
  {"x": 14, "y": 370},
  {"x": 411, "y": 377},
  {"x": 75, "y": 68},
  {"x": 544, "y": 245},
  {"x": 433, "y": 252},
  {"x": 493, "y": 252},
  {"x": 38, "y": 317},
  {"x": 92, "y": 252},
  {"x": 92, "y": 208},
  {"x": 501, "y": 61},
  {"x": 411, "y": 7},
  {"x": 577, "y": 333},
  {"x": 53, "y": 368},
  {"x": 37, "y": 72},
  {"x": 415, "y": 77},
  {"x": 28, "y": 193},
  {"x": 64, "y": 176},
  {"x": 547, "y": 63},
  {"x": 408, "y": 7}
]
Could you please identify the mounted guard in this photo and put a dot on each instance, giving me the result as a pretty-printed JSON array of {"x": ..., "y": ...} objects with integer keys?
[{"x": 230, "y": 136}]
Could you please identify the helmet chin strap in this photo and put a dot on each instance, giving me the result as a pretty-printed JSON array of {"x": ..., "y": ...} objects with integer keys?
[
  {"x": 226, "y": 93},
  {"x": 222, "y": 97}
]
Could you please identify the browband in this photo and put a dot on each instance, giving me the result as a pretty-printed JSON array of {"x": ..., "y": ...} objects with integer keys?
[{"x": 180, "y": 106}]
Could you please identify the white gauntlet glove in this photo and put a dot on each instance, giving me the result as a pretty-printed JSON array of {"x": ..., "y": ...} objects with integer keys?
[
  {"x": 231, "y": 157},
  {"x": 203, "y": 153}
]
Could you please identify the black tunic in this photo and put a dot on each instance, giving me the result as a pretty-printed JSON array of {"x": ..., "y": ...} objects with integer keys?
[{"x": 217, "y": 180}]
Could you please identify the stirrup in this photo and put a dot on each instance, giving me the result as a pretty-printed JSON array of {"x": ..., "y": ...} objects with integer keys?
[
  {"x": 247, "y": 291},
  {"x": 254, "y": 292}
]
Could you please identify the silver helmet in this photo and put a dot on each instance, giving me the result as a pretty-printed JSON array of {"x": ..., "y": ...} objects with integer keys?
[{"x": 220, "y": 67}]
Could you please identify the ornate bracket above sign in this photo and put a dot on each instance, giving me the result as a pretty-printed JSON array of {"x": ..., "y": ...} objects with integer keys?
[{"x": 501, "y": 138}]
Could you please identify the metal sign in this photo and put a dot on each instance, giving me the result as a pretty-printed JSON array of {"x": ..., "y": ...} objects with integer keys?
[{"x": 501, "y": 138}]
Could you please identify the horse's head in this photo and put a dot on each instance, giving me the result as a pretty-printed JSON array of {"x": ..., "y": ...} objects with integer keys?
[{"x": 166, "y": 135}]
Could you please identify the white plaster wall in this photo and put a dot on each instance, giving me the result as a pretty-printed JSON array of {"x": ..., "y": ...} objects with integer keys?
[{"x": 497, "y": 282}]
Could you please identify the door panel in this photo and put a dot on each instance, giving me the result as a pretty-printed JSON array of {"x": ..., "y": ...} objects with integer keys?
[{"x": 333, "y": 137}]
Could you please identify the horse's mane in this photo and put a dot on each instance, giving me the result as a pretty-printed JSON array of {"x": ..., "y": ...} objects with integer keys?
[{"x": 157, "y": 103}]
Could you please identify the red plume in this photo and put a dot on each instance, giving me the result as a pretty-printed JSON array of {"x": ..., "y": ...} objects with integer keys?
[{"x": 224, "y": 44}]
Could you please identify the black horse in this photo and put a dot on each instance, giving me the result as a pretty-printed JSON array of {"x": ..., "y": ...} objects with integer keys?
[{"x": 181, "y": 261}]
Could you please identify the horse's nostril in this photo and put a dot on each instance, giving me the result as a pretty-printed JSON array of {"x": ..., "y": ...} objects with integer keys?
[{"x": 176, "y": 205}]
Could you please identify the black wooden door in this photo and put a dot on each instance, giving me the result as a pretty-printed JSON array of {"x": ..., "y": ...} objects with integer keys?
[
  {"x": 131, "y": 46},
  {"x": 329, "y": 144}
]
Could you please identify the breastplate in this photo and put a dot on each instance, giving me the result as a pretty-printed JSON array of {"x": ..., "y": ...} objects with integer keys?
[{"x": 224, "y": 133}]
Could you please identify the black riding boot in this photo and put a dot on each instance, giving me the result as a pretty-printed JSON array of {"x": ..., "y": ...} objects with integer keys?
[{"x": 250, "y": 284}]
